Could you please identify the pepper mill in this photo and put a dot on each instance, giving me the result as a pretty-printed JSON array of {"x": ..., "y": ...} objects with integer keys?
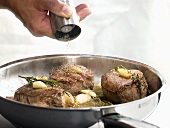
[{"x": 65, "y": 29}]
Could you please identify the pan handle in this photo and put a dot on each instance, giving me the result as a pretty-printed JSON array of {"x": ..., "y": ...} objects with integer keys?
[{"x": 115, "y": 120}]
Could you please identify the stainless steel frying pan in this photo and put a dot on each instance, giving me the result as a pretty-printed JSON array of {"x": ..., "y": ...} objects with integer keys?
[{"x": 126, "y": 115}]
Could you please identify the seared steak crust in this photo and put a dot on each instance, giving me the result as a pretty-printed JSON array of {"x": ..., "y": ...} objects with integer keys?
[
  {"x": 120, "y": 90},
  {"x": 47, "y": 97},
  {"x": 73, "y": 78}
]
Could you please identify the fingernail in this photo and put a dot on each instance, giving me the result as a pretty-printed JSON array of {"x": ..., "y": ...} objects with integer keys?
[{"x": 67, "y": 10}]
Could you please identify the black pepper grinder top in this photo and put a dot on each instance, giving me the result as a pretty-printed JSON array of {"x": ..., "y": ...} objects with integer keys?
[{"x": 65, "y": 29}]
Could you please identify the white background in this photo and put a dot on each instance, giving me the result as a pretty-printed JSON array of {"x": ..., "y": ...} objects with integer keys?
[{"x": 133, "y": 29}]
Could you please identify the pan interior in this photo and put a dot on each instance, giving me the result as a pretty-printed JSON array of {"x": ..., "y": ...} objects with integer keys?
[{"x": 42, "y": 65}]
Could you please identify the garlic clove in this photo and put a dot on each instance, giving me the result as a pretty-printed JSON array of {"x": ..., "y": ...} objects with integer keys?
[
  {"x": 82, "y": 98},
  {"x": 76, "y": 69},
  {"x": 89, "y": 92},
  {"x": 39, "y": 85},
  {"x": 69, "y": 99},
  {"x": 124, "y": 73}
]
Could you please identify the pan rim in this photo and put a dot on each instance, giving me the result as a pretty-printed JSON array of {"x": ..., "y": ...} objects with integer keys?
[{"x": 15, "y": 62}]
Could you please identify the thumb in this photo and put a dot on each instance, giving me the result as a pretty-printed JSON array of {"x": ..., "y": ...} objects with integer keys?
[
  {"x": 65, "y": 11},
  {"x": 58, "y": 7}
]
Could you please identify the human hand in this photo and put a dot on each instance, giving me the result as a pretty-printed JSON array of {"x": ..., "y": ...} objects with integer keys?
[{"x": 33, "y": 13}]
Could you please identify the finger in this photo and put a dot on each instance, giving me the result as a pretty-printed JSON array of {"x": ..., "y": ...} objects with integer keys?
[
  {"x": 57, "y": 7},
  {"x": 83, "y": 11},
  {"x": 81, "y": 6}
]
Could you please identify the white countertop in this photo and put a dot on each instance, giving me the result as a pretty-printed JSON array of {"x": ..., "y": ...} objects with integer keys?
[{"x": 137, "y": 30}]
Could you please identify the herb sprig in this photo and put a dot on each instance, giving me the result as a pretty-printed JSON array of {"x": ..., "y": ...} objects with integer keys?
[
  {"x": 32, "y": 79},
  {"x": 137, "y": 80}
]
